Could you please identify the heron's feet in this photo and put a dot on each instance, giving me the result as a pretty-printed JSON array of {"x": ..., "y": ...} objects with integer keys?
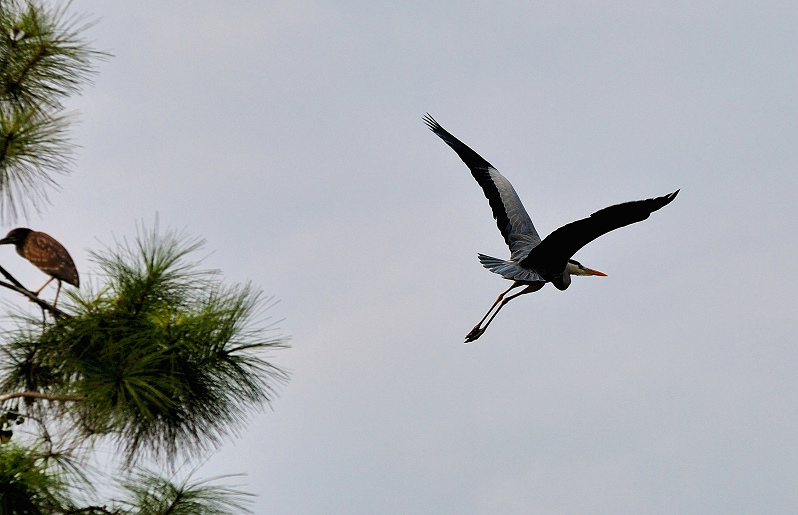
[{"x": 475, "y": 333}]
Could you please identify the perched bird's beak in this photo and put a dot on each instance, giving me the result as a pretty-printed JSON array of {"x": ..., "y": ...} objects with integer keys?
[
  {"x": 4, "y": 241},
  {"x": 590, "y": 271}
]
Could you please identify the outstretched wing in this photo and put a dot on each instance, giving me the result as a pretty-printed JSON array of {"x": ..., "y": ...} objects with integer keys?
[
  {"x": 511, "y": 217},
  {"x": 563, "y": 243}
]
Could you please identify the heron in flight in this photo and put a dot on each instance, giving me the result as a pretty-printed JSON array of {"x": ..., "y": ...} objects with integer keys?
[{"x": 534, "y": 262}]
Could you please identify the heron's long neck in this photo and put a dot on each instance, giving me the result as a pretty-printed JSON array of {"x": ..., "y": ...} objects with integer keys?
[{"x": 563, "y": 281}]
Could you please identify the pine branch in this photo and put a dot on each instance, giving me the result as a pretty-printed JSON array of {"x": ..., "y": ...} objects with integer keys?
[
  {"x": 17, "y": 287},
  {"x": 170, "y": 360},
  {"x": 43, "y": 60},
  {"x": 42, "y": 396}
]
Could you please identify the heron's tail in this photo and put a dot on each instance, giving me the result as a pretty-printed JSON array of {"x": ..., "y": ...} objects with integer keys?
[
  {"x": 508, "y": 269},
  {"x": 495, "y": 265}
]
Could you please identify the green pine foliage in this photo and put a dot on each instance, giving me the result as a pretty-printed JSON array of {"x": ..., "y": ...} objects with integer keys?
[
  {"x": 158, "y": 356},
  {"x": 32, "y": 483},
  {"x": 29, "y": 485},
  {"x": 149, "y": 494},
  {"x": 43, "y": 60},
  {"x": 164, "y": 358}
]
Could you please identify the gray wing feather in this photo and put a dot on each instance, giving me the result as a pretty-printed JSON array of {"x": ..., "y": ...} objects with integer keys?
[
  {"x": 509, "y": 269},
  {"x": 520, "y": 232},
  {"x": 511, "y": 217}
]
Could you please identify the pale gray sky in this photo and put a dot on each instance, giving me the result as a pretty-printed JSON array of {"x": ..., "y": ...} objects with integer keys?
[{"x": 289, "y": 135}]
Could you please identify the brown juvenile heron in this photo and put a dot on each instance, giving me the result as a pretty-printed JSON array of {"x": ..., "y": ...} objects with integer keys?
[{"x": 48, "y": 255}]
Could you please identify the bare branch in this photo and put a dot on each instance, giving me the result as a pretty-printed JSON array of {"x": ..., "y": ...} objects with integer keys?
[
  {"x": 10, "y": 277},
  {"x": 17, "y": 287}
]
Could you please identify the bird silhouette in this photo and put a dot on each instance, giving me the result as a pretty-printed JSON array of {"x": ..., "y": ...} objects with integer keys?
[{"x": 534, "y": 262}]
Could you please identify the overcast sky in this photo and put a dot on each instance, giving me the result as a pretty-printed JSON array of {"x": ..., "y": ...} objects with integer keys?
[{"x": 289, "y": 135}]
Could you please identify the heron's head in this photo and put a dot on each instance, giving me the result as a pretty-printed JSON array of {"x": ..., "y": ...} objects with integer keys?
[
  {"x": 574, "y": 267},
  {"x": 16, "y": 236}
]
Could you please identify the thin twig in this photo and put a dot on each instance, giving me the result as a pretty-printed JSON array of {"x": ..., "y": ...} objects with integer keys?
[
  {"x": 11, "y": 278},
  {"x": 44, "y": 396},
  {"x": 17, "y": 287}
]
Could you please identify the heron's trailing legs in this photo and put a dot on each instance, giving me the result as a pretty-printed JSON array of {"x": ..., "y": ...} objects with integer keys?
[
  {"x": 478, "y": 329},
  {"x": 499, "y": 299}
]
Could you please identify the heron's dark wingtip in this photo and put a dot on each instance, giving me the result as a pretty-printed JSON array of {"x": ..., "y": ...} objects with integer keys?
[
  {"x": 669, "y": 197},
  {"x": 431, "y": 123}
]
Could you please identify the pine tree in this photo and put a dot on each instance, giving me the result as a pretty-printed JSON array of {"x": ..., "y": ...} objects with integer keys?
[{"x": 159, "y": 358}]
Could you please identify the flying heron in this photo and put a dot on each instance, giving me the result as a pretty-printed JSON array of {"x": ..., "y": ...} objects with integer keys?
[
  {"x": 534, "y": 262},
  {"x": 46, "y": 254}
]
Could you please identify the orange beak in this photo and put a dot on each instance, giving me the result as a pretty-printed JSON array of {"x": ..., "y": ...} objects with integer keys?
[{"x": 590, "y": 271}]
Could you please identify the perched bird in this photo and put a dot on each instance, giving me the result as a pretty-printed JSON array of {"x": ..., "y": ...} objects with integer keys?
[
  {"x": 47, "y": 254},
  {"x": 534, "y": 262}
]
